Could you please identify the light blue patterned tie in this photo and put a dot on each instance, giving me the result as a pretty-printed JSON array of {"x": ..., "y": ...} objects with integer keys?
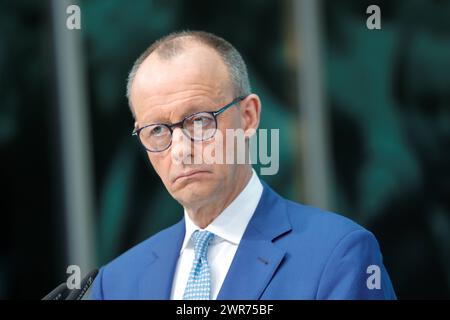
[{"x": 199, "y": 283}]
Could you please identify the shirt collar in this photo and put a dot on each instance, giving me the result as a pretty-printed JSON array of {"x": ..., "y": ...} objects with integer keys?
[{"x": 230, "y": 225}]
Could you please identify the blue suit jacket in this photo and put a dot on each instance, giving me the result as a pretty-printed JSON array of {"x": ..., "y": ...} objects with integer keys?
[{"x": 288, "y": 251}]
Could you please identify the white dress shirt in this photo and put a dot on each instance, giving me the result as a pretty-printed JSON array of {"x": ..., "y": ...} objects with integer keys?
[{"x": 228, "y": 228}]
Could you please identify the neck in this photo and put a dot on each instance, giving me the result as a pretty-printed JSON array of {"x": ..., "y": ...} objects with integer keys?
[{"x": 203, "y": 215}]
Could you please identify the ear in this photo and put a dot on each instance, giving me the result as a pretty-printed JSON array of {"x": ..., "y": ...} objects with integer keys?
[{"x": 250, "y": 109}]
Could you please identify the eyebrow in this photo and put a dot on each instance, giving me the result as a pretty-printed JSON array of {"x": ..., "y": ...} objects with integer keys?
[{"x": 191, "y": 109}]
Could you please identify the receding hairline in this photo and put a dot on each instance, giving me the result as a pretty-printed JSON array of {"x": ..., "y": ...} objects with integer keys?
[
  {"x": 176, "y": 43},
  {"x": 162, "y": 57},
  {"x": 176, "y": 48},
  {"x": 171, "y": 47}
]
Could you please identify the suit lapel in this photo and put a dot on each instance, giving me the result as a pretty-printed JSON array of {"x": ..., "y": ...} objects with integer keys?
[
  {"x": 156, "y": 280},
  {"x": 257, "y": 258},
  {"x": 252, "y": 268}
]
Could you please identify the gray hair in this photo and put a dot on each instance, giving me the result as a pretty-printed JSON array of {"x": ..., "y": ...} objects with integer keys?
[{"x": 173, "y": 44}]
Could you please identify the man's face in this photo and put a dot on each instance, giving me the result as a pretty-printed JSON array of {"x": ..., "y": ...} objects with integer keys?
[{"x": 168, "y": 90}]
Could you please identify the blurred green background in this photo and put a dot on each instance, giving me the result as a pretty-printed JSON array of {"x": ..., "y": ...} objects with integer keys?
[{"x": 386, "y": 92}]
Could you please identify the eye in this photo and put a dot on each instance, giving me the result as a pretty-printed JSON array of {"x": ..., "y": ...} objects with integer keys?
[
  {"x": 157, "y": 131},
  {"x": 201, "y": 120}
]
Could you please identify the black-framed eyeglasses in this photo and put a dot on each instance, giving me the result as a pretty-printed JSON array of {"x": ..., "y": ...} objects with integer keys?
[{"x": 199, "y": 126}]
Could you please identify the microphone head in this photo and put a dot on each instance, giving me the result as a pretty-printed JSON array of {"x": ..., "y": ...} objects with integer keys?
[
  {"x": 77, "y": 294},
  {"x": 59, "y": 293}
]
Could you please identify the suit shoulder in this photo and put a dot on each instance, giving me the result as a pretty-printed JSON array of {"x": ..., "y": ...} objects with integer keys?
[{"x": 321, "y": 223}]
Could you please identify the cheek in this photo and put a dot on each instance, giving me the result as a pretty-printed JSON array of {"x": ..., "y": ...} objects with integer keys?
[{"x": 161, "y": 164}]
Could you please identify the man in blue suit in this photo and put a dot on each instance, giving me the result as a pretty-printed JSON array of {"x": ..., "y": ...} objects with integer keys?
[{"x": 238, "y": 239}]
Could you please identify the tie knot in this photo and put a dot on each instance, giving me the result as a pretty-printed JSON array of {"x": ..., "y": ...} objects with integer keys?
[{"x": 202, "y": 239}]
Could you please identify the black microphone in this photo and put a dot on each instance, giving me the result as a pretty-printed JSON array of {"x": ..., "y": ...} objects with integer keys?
[
  {"x": 59, "y": 293},
  {"x": 62, "y": 292},
  {"x": 77, "y": 294}
]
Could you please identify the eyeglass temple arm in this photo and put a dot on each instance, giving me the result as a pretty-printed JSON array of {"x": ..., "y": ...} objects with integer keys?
[{"x": 239, "y": 99}]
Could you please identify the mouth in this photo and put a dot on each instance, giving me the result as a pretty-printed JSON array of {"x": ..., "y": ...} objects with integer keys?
[{"x": 190, "y": 174}]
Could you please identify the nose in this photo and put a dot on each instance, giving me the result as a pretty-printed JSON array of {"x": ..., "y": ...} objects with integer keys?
[{"x": 181, "y": 150}]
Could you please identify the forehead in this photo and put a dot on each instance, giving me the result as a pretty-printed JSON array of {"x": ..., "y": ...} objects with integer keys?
[{"x": 196, "y": 76}]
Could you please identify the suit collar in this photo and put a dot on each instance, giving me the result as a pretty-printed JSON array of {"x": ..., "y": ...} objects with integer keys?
[
  {"x": 257, "y": 258},
  {"x": 270, "y": 218}
]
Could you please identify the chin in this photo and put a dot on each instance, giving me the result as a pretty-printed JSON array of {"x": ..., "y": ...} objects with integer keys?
[{"x": 193, "y": 192}]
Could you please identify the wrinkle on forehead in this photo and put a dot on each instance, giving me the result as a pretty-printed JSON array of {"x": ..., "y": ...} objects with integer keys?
[{"x": 177, "y": 106}]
